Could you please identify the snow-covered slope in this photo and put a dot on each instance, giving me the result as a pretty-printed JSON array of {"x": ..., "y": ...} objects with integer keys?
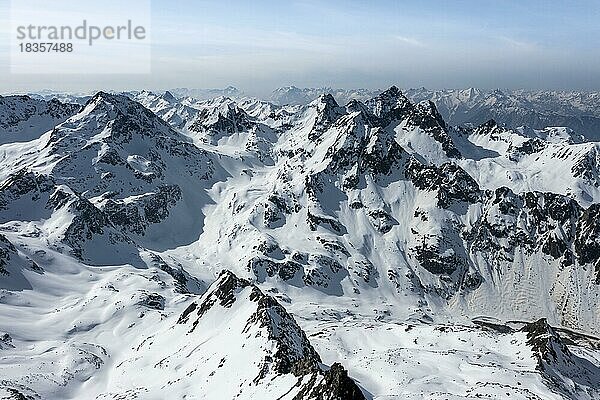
[
  {"x": 23, "y": 118},
  {"x": 372, "y": 233},
  {"x": 237, "y": 343}
]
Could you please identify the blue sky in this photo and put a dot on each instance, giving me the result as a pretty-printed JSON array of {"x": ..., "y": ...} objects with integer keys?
[{"x": 258, "y": 45}]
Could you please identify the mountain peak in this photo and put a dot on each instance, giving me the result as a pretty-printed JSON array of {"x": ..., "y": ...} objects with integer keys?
[
  {"x": 390, "y": 101},
  {"x": 393, "y": 91},
  {"x": 327, "y": 112},
  {"x": 545, "y": 342},
  {"x": 327, "y": 100},
  {"x": 275, "y": 338},
  {"x": 105, "y": 98},
  {"x": 168, "y": 96}
]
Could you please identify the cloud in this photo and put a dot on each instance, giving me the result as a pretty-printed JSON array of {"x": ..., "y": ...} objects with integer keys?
[
  {"x": 410, "y": 41},
  {"x": 517, "y": 44}
]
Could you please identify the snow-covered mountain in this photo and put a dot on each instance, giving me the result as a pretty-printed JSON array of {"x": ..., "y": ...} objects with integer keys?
[
  {"x": 580, "y": 111},
  {"x": 23, "y": 118},
  {"x": 207, "y": 94},
  {"x": 237, "y": 248},
  {"x": 292, "y": 95},
  {"x": 64, "y": 97}
]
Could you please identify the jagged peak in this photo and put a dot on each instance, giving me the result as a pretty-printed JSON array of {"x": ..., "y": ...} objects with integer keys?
[
  {"x": 120, "y": 105},
  {"x": 282, "y": 346},
  {"x": 393, "y": 94},
  {"x": 118, "y": 116},
  {"x": 294, "y": 353},
  {"x": 327, "y": 112},
  {"x": 393, "y": 91},
  {"x": 223, "y": 290},
  {"x": 286, "y": 88},
  {"x": 325, "y": 101},
  {"x": 497, "y": 93},
  {"x": 168, "y": 96},
  {"x": 539, "y": 328},
  {"x": 490, "y": 127},
  {"x": 545, "y": 342},
  {"x": 117, "y": 102},
  {"x": 389, "y": 102},
  {"x": 356, "y": 106}
]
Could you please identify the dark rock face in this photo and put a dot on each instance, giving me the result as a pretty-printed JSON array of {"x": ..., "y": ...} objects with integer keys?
[
  {"x": 152, "y": 300},
  {"x": 87, "y": 222},
  {"x": 451, "y": 182},
  {"x": 429, "y": 119},
  {"x": 12, "y": 263},
  {"x": 350, "y": 143},
  {"x": 390, "y": 105},
  {"x": 126, "y": 215},
  {"x": 566, "y": 372},
  {"x": 366, "y": 141},
  {"x": 17, "y": 395},
  {"x": 227, "y": 121},
  {"x": 545, "y": 342},
  {"x": 381, "y": 154},
  {"x": 531, "y": 146},
  {"x": 487, "y": 127},
  {"x": 532, "y": 221},
  {"x": 87, "y": 219},
  {"x": 588, "y": 167},
  {"x": 17, "y": 109},
  {"x": 587, "y": 242},
  {"x": 322, "y": 220},
  {"x": 336, "y": 385},
  {"x": 184, "y": 282},
  {"x": 168, "y": 96},
  {"x": 277, "y": 207},
  {"x": 263, "y": 267},
  {"x": 5, "y": 341},
  {"x": 294, "y": 352},
  {"x": 328, "y": 111},
  {"x": 224, "y": 292},
  {"x": 24, "y": 183},
  {"x": 361, "y": 149},
  {"x": 381, "y": 220},
  {"x": 6, "y": 250},
  {"x": 434, "y": 261}
]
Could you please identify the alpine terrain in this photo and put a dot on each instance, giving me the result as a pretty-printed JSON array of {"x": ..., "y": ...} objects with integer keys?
[{"x": 326, "y": 244}]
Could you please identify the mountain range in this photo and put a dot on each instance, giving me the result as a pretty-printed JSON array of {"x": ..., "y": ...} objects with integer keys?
[{"x": 325, "y": 244}]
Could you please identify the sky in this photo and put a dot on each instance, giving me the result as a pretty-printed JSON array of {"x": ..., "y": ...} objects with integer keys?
[{"x": 261, "y": 44}]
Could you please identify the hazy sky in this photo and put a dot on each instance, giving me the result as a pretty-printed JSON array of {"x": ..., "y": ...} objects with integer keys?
[{"x": 259, "y": 45}]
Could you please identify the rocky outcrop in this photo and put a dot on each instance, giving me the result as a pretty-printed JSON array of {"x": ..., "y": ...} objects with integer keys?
[
  {"x": 569, "y": 374},
  {"x": 225, "y": 120},
  {"x": 327, "y": 111},
  {"x": 450, "y": 181},
  {"x": 291, "y": 353}
]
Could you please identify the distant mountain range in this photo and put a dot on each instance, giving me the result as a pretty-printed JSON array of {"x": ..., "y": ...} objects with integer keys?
[{"x": 537, "y": 109}]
